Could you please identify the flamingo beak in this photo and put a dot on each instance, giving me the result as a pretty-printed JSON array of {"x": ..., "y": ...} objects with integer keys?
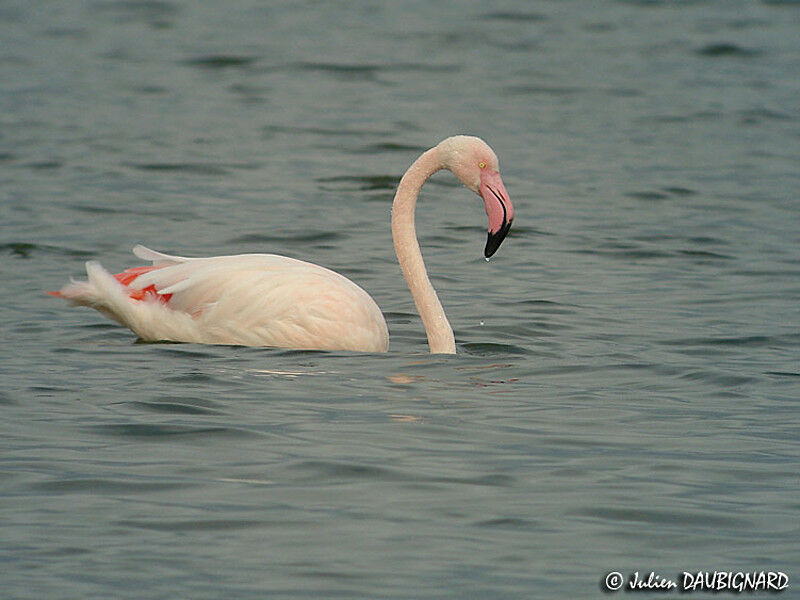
[{"x": 498, "y": 208}]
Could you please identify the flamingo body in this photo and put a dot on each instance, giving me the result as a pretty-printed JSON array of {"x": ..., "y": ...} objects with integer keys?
[
  {"x": 247, "y": 299},
  {"x": 269, "y": 300}
]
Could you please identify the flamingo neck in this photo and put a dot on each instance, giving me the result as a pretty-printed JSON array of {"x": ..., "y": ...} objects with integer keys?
[{"x": 404, "y": 235}]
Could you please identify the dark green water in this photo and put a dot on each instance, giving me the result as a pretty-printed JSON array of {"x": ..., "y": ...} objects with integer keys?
[{"x": 625, "y": 397}]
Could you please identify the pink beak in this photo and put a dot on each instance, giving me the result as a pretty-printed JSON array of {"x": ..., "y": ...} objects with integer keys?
[{"x": 498, "y": 208}]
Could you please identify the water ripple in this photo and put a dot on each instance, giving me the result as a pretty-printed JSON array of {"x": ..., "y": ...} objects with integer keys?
[
  {"x": 724, "y": 49},
  {"x": 196, "y": 168},
  {"x": 702, "y": 519},
  {"x": 515, "y": 16},
  {"x": 29, "y": 250},
  {"x": 360, "y": 70},
  {"x": 221, "y": 61},
  {"x": 510, "y": 523},
  {"x": 105, "y": 486},
  {"x": 364, "y": 182},
  {"x": 196, "y": 524},
  {"x": 153, "y": 432},
  {"x": 302, "y": 238},
  {"x": 750, "y": 341},
  {"x": 177, "y": 407},
  {"x": 493, "y": 349},
  {"x": 159, "y": 14},
  {"x": 325, "y": 471}
]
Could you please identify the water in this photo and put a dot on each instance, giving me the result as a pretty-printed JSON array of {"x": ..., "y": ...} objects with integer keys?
[{"x": 625, "y": 393}]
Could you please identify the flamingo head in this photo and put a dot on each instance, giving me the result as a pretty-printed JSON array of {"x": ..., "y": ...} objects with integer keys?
[{"x": 476, "y": 166}]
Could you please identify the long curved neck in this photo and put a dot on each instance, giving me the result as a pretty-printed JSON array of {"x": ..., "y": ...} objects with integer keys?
[{"x": 404, "y": 235}]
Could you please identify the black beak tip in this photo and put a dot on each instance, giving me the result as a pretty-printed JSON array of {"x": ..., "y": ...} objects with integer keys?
[{"x": 495, "y": 239}]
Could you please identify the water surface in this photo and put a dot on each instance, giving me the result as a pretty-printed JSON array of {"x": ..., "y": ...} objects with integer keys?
[{"x": 625, "y": 393}]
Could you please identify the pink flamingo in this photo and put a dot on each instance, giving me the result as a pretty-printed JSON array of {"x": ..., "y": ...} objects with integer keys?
[{"x": 269, "y": 300}]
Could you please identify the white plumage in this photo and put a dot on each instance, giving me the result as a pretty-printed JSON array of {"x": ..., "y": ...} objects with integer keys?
[
  {"x": 248, "y": 300},
  {"x": 269, "y": 300}
]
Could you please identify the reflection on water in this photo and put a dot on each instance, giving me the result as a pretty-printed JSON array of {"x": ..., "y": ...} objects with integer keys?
[{"x": 289, "y": 374}]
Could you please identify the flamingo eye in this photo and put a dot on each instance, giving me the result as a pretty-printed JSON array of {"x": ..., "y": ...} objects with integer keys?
[{"x": 482, "y": 165}]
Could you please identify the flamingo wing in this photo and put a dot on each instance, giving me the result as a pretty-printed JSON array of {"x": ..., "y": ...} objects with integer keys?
[{"x": 247, "y": 299}]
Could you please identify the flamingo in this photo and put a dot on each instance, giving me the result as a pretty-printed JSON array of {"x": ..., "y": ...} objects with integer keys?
[{"x": 270, "y": 300}]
